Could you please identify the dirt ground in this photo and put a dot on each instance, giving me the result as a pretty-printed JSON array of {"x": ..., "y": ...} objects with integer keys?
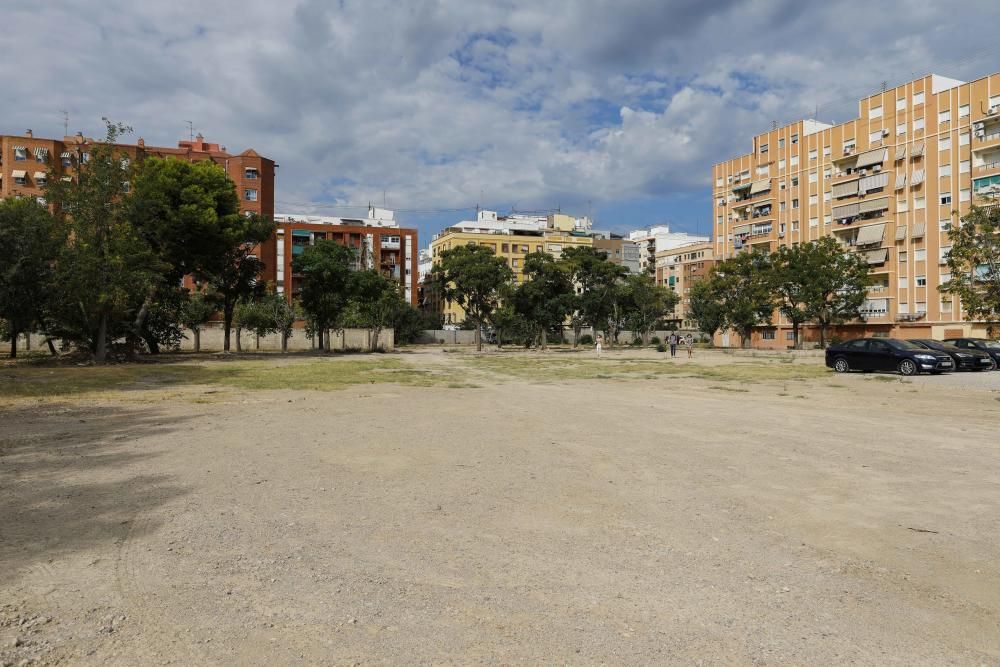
[{"x": 520, "y": 511}]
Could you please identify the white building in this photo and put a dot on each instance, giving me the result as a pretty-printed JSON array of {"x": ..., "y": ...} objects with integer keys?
[{"x": 658, "y": 238}]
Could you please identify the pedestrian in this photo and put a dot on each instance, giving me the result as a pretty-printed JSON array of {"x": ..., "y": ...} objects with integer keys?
[
  {"x": 689, "y": 344},
  {"x": 598, "y": 346},
  {"x": 673, "y": 344}
]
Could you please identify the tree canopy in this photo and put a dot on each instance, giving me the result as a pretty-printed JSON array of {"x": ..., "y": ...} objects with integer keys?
[
  {"x": 974, "y": 263},
  {"x": 473, "y": 277}
]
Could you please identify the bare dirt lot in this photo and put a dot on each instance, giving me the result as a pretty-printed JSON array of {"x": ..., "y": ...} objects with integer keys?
[{"x": 512, "y": 508}]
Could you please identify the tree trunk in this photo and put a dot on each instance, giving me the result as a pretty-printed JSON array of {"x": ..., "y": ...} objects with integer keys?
[
  {"x": 822, "y": 334},
  {"x": 239, "y": 336},
  {"x": 374, "y": 338},
  {"x": 257, "y": 342},
  {"x": 140, "y": 318},
  {"x": 284, "y": 341},
  {"x": 227, "y": 323},
  {"x": 151, "y": 343},
  {"x": 479, "y": 338},
  {"x": 101, "y": 343},
  {"x": 52, "y": 347},
  {"x": 13, "y": 343},
  {"x": 795, "y": 336},
  {"x": 197, "y": 339},
  {"x": 543, "y": 339}
]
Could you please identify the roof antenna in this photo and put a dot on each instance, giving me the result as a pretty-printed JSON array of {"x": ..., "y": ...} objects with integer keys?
[
  {"x": 774, "y": 125},
  {"x": 190, "y": 129},
  {"x": 65, "y": 115}
]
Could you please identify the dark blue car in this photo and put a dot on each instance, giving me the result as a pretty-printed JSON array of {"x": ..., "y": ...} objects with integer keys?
[{"x": 886, "y": 354}]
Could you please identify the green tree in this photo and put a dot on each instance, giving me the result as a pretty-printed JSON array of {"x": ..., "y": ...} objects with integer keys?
[
  {"x": 705, "y": 306},
  {"x": 326, "y": 282},
  {"x": 833, "y": 284},
  {"x": 598, "y": 303},
  {"x": 646, "y": 303},
  {"x": 473, "y": 277},
  {"x": 264, "y": 315},
  {"x": 545, "y": 299},
  {"x": 410, "y": 322},
  {"x": 743, "y": 287},
  {"x": 235, "y": 278},
  {"x": 30, "y": 241},
  {"x": 106, "y": 269},
  {"x": 375, "y": 302},
  {"x": 509, "y": 326},
  {"x": 196, "y": 312},
  {"x": 974, "y": 262}
]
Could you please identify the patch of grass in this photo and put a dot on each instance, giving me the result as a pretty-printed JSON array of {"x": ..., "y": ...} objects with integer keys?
[
  {"x": 885, "y": 378},
  {"x": 733, "y": 389}
]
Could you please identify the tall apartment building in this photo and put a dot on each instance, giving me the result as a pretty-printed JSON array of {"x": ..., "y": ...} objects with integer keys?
[
  {"x": 510, "y": 237},
  {"x": 380, "y": 243},
  {"x": 657, "y": 239},
  {"x": 620, "y": 251},
  {"x": 679, "y": 268},
  {"x": 27, "y": 161},
  {"x": 887, "y": 185}
]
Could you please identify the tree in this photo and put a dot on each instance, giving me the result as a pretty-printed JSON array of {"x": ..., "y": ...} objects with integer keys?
[
  {"x": 326, "y": 280},
  {"x": 473, "y": 277},
  {"x": 235, "y": 277},
  {"x": 974, "y": 262},
  {"x": 705, "y": 306},
  {"x": 834, "y": 284},
  {"x": 743, "y": 287},
  {"x": 30, "y": 240},
  {"x": 544, "y": 300},
  {"x": 508, "y": 325},
  {"x": 598, "y": 302},
  {"x": 374, "y": 303},
  {"x": 105, "y": 269},
  {"x": 646, "y": 303},
  {"x": 196, "y": 312},
  {"x": 410, "y": 322}
]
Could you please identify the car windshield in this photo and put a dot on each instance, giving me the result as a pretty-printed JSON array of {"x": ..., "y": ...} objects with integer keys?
[
  {"x": 992, "y": 344},
  {"x": 905, "y": 345}
]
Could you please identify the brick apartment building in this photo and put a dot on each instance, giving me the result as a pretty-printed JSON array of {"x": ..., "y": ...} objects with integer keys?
[
  {"x": 887, "y": 185},
  {"x": 679, "y": 268}
]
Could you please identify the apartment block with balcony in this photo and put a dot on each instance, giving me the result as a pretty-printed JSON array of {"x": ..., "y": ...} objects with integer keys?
[
  {"x": 378, "y": 241},
  {"x": 887, "y": 185},
  {"x": 678, "y": 269}
]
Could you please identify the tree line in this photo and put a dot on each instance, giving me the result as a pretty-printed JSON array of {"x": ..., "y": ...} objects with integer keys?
[{"x": 101, "y": 265}]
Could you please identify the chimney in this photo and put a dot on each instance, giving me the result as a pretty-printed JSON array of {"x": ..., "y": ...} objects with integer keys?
[
  {"x": 199, "y": 138},
  {"x": 28, "y": 133}
]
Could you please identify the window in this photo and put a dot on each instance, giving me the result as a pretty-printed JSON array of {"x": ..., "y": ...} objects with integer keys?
[
  {"x": 944, "y": 224},
  {"x": 763, "y": 171},
  {"x": 903, "y": 308},
  {"x": 900, "y": 128},
  {"x": 504, "y": 247},
  {"x": 795, "y": 181},
  {"x": 902, "y": 257},
  {"x": 795, "y": 160},
  {"x": 964, "y": 167},
  {"x": 20, "y": 179},
  {"x": 945, "y": 305},
  {"x": 900, "y": 104},
  {"x": 921, "y": 281},
  {"x": 921, "y": 306},
  {"x": 789, "y": 335},
  {"x": 875, "y": 112},
  {"x": 250, "y": 173},
  {"x": 875, "y": 137},
  {"x": 920, "y": 255},
  {"x": 813, "y": 154},
  {"x": 795, "y": 203},
  {"x": 918, "y": 98},
  {"x": 963, "y": 138},
  {"x": 795, "y": 139},
  {"x": 718, "y": 182},
  {"x": 781, "y": 164},
  {"x": 827, "y": 196},
  {"x": 945, "y": 253},
  {"x": 814, "y": 222},
  {"x": 826, "y": 173},
  {"x": 849, "y": 145},
  {"x": 919, "y": 203},
  {"x": 945, "y": 277},
  {"x": 964, "y": 195},
  {"x": 827, "y": 151},
  {"x": 250, "y": 194},
  {"x": 763, "y": 148},
  {"x": 944, "y": 170},
  {"x": 20, "y": 154},
  {"x": 944, "y": 116},
  {"x": 767, "y": 335},
  {"x": 918, "y": 124},
  {"x": 963, "y": 111},
  {"x": 515, "y": 262},
  {"x": 827, "y": 219},
  {"x": 781, "y": 206},
  {"x": 813, "y": 200},
  {"x": 524, "y": 248},
  {"x": 781, "y": 143},
  {"x": 945, "y": 199},
  {"x": 902, "y": 206},
  {"x": 903, "y": 282},
  {"x": 67, "y": 161},
  {"x": 795, "y": 225},
  {"x": 813, "y": 177},
  {"x": 944, "y": 143}
]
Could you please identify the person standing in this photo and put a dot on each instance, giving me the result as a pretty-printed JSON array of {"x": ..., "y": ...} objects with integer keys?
[
  {"x": 689, "y": 344},
  {"x": 673, "y": 344},
  {"x": 598, "y": 345}
]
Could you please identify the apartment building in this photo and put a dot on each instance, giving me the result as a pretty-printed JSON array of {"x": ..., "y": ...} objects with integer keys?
[
  {"x": 657, "y": 239},
  {"x": 510, "y": 237},
  {"x": 27, "y": 161},
  {"x": 679, "y": 268},
  {"x": 887, "y": 185},
  {"x": 379, "y": 243},
  {"x": 620, "y": 250}
]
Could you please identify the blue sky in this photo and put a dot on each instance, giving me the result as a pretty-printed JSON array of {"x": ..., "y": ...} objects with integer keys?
[{"x": 621, "y": 106}]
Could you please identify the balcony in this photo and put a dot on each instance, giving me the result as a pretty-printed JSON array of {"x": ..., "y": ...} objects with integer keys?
[{"x": 986, "y": 133}]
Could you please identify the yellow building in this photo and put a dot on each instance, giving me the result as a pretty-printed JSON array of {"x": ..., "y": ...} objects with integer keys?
[
  {"x": 511, "y": 238},
  {"x": 678, "y": 268},
  {"x": 887, "y": 185}
]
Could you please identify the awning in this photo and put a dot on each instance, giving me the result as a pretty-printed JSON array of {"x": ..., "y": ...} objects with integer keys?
[
  {"x": 900, "y": 233},
  {"x": 19, "y": 173},
  {"x": 870, "y": 158},
  {"x": 741, "y": 186},
  {"x": 847, "y": 211},
  {"x": 302, "y": 233},
  {"x": 849, "y": 189},
  {"x": 917, "y": 178},
  {"x": 870, "y": 235},
  {"x": 873, "y": 182},
  {"x": 877, "y": 256},
  {"x": 41, "y": 153},
  {"x": 918, "y": 149},
  {"x": 901, "y": 181},
  {"x": 40, "y": 176},
  {"x": 742, "y": 229},
  {"x": 900, "y": 152},
  {"x": 872, "y": 205},
  {"x": 19, "y": 148},
  {"x": 760, "y": 186},
  {"x": 65, "y": 154},
  {"x": 919, "y": 229}
]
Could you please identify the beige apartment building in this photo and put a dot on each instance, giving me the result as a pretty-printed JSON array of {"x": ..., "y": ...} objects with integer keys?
[
  {"x": 887, "y": 184},
  {"x": 679, "y": 268}
]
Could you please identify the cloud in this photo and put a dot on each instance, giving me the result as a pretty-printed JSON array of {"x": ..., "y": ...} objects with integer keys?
[{"x": 438, "y": 101}]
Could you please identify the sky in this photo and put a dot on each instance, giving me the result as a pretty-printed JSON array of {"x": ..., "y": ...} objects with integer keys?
[{"x": 618, "y": 108}]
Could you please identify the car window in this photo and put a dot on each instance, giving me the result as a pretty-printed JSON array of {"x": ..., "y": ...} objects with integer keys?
[
  {"x": 879, "y": 346},
  {"x": 992, "y": 344},
  {"x": 857, "y": 344},
  {"x": 905, "y": 345}
]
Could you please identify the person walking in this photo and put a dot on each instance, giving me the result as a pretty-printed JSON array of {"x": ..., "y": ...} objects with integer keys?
[
  {"x": 689, "y": 344},
  {"x": 673, "y": 344},
  {"x": 598, "y": 345}
]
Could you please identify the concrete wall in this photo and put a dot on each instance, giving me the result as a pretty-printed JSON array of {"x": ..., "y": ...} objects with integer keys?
[{"x": 445, "y": 337}]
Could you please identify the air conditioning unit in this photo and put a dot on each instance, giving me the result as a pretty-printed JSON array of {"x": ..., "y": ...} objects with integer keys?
[
  {"x": 993, "y": 111},
  {"x": 885, "y": 133},
  {"x": 781, "y": 235},
  {"x": 862, "y": 171},
  {"x": 980, "y": 125},
  {"x": 848, "y": 151}
]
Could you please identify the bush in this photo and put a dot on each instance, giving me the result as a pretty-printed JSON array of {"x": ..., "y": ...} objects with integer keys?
[
  {"x": 636, "y": 342},
  {"x": 661, "y": 348},
  {"x": 586, "y": 339},
  {"x": 655, "y": 340}
]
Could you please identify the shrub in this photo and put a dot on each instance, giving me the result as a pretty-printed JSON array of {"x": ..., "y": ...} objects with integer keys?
[
  {"x": 661, "y": 348},
  {"x": 586, "y": 339},
  {"x": 636, "y": 342},
  {"x": 655, "y": 340}
]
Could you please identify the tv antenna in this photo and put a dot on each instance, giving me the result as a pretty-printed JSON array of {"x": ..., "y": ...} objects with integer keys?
[
  {"x": 190, "y": 129},
  {"x": 65, "y": 115}
]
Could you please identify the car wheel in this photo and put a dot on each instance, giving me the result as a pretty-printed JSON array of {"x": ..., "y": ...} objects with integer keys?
[
  {"x": 908, "y": 367},
  {"x": 841, "y": 365},
  {"x": 993, "y": 366}
]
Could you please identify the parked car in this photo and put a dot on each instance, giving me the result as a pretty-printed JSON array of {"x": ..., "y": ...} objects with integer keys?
[
  {"x": 969, "y": 359},
  {"x": 887, "y": 354},
  {"x": 990, "y": 347}
]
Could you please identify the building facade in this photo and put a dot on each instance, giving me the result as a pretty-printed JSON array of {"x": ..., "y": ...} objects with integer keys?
[
  {"x": 679, "y": 268},
  {"x": 511, "y": 237},
  {"x": 379, "y": 243},
  {"x": 620, "y": 251},
  {"x": 887, "y": 185},
  {"x": 657, "y": 239}
]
